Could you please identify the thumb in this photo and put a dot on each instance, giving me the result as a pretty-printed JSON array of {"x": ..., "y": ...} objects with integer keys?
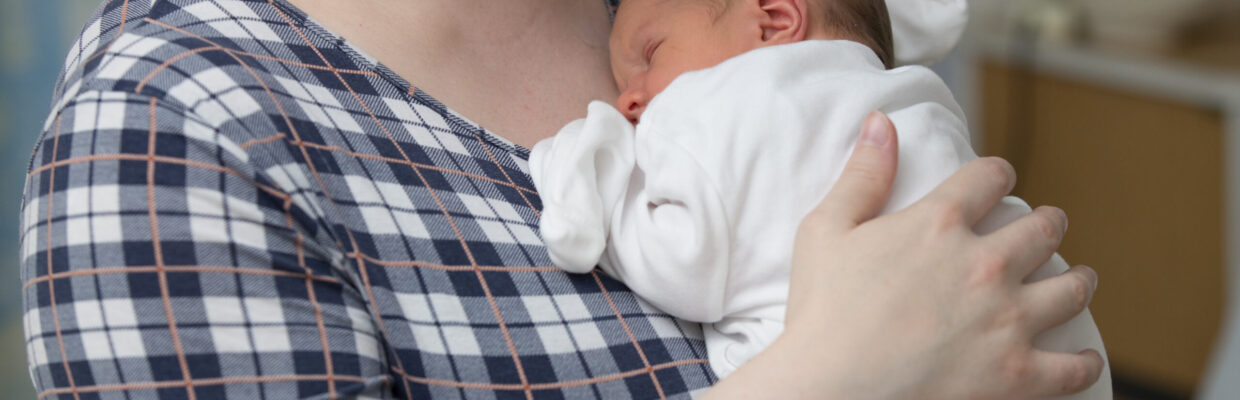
[{"x": 863, "y": 187}]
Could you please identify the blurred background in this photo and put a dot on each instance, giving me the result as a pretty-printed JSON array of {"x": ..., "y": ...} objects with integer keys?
[
  {"x": 34, "y": 37},
  {"x": 1126, "y": 113}
]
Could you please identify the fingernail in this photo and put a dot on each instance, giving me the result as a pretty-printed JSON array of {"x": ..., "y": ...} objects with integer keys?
[
  {"x": 1095, "y": 274},
  {"x": 1064, "y": 215},
  {"x": 873, "y": 132}
]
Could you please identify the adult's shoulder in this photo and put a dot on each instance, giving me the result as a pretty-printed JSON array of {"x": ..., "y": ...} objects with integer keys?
[{"x": 189, "y": 51}]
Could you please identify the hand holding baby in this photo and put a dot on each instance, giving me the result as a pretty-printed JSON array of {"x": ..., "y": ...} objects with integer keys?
[{"x": 983, "y": 318}]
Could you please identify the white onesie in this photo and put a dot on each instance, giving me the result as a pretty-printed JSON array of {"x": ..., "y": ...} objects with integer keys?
[{"x": 696, "y": 209}]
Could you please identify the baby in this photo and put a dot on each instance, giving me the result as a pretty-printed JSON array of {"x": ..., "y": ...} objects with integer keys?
[{"x": 735, "y": 119}]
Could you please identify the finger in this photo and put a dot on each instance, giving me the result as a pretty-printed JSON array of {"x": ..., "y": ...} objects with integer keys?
[
  {"x": 975, "y": 189},
  {"x": 863, "y": 187},
  {"x": 1029, "y": 240},
  {"x": 1053, "y": 301},
  {"x": 1059, "y": 374}
]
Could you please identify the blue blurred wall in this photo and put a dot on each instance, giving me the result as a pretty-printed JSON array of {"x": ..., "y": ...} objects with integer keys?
[{"x": 34, "y": 38}]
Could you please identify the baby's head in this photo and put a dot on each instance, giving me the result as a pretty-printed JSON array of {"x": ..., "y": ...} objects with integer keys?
[{"x": 654, "y": 41}]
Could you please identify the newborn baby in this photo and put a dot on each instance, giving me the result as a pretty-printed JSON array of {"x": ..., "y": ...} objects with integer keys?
[{"x": 735, "y": 119}]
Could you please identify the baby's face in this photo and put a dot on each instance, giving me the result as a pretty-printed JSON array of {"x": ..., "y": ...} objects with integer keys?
[{"x": 654, "y": 41}]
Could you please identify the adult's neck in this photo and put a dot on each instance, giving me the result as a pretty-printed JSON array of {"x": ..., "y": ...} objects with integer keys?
[{"x": 520, "y": 68}]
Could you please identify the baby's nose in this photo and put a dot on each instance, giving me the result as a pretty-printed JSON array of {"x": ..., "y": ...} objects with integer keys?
[{"x": 632, "y": 103}]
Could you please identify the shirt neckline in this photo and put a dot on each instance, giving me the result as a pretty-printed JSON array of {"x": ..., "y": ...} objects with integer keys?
[{"x": 406, "y": 88}]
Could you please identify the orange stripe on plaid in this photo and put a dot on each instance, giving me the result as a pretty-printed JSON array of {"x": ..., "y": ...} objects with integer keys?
[
  {"x": 510, "y": 181},
  {"x": 177, "y": 269},
  {"x": 640, "y": 353},
  {"x": 158, "y": 159},
  {"x": 328, "y": 366},
  {"x": 128, "y": 157},
  {"x": 255, "y": 142},
  {"x": 370, "y": 293},
  {"x": 547, "y": 386},
  {"x": 169, "y": 62},
  {"x": 51, "y": 289},
  {"x": 422, "y": 264},
  {"x": 256, "y": 55},
  {"x": 159, "y": 259},
  {"x": 415, "y": 165},
  {"x": 200, "y": 382}
]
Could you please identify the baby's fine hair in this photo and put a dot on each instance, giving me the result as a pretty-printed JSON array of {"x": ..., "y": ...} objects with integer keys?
[
  {"x": 865, "y": 21},
  {"x": 862, "y": 21}
]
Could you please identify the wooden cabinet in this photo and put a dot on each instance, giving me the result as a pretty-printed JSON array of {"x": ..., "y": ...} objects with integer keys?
[{"x": 1141, "y": 179}]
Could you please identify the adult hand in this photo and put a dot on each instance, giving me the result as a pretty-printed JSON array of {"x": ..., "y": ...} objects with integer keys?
[{"x": 914, "y": 304}]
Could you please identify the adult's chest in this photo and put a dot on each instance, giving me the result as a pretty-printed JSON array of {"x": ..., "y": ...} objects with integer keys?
[{"x": 436, "y": 226}]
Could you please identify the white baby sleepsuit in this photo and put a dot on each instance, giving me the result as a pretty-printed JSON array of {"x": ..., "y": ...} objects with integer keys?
[{"x": 697, "y": 207}]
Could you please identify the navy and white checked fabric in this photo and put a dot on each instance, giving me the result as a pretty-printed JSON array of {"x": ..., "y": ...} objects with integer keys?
[{"x": 228, "y": 201}]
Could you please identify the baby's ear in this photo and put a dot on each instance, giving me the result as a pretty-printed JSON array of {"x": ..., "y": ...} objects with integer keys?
[{"x": 784, "y": 21}]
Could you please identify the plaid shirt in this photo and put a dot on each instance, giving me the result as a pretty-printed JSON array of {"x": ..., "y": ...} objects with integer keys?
[{"x": 228, "y": 201}]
